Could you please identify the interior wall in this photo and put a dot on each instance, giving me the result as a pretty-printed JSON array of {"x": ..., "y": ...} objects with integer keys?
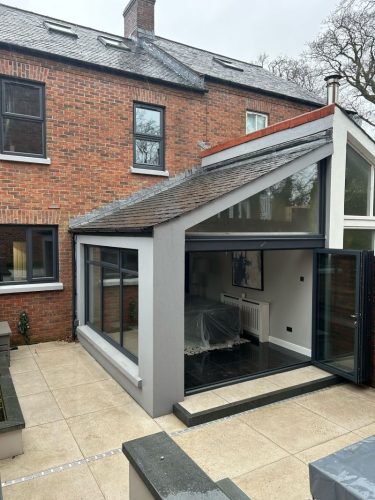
[{"x": 290, "y": 298}]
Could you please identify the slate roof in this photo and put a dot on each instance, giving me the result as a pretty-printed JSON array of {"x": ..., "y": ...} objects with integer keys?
[
  {"x": 26, "y": 30},
  {"x": 185, "y": 194},
  {"x": 252, "y": 75}
]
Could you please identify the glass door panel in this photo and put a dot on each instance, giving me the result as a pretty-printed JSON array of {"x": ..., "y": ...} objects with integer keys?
[{"x": 342, "y": 315}]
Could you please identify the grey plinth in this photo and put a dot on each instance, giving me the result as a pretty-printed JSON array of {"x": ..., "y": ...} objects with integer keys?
[
  {"x": 160, "y": 470},
  {"x": 5, "y": 341},
  {"x": 345, "y": 475}
]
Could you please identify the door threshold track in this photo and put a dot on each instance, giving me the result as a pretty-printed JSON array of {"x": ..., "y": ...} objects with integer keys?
[{"x": 192, "y": 414}]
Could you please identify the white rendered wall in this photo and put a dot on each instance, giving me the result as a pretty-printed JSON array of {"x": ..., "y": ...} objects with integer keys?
[{"x": 290, "y": 299}]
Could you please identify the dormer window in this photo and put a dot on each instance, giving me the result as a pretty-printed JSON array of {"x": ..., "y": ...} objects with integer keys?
[
  {"x": 63, "y": 29},
  {"x": 113, "y": 42},
  {"x": 227, "y": 64}
]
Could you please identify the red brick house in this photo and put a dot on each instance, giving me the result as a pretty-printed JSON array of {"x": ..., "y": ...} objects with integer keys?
[{"x": 88, "y": 118}]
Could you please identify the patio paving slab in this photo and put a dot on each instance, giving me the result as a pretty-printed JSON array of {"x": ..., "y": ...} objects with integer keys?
[
  {"x": 23, "y": 365},
  {"x": 23, "y": 351},
  {"x": 59, "y": 377},
  {"x": 29, "y": 383},
  {"x": 88, "y": 398},
  {"x": 341, "y": 406},
  {"x": 39, "y": 409},
  {"x": 170, "y": 423},
  {"x": 325, "y": 449},
  {"x": 112, "y": 476},
  {"x": 287, "y": 479},
  {"x": 108, "y": 429},
  {"x": 367, "y": 431},
  {"x": 45, "y": 446},
  {"x": 202, "y": 401},
  {"x": 75, "y": 484},
  {"x": 228, "y": 448},
  {"x": 291, "y": 426}
]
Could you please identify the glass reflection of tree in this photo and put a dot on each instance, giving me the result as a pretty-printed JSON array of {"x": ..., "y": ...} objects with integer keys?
[{"x": 148, "y": 123}]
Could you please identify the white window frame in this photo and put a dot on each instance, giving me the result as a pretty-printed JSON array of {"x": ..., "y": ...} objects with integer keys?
[{"x": 256, "y": 114}]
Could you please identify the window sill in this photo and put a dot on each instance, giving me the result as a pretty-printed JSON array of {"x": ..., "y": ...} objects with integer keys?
[
  {"x": 33, "y": 287},
  {"x": 149, "y": 171},
  {"x": 113, "y": 356},
  {"x": 25, "y": 159}
]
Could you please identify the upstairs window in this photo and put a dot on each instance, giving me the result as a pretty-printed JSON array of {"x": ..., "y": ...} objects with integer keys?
[
  {"x": 255, "y": 121},
  {"x": 22, "y": 118},
  {"x": 28, "y": 254},
  {"x": 148, "y": 136}
]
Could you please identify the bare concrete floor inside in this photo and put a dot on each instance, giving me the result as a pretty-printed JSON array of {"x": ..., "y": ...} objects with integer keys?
[{"x": 77, "y": 417}]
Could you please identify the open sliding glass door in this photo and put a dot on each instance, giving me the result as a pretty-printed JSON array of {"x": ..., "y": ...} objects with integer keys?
[{"x": 343, "y": 302}]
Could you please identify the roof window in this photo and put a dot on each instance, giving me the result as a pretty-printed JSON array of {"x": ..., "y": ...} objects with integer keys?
[
  {"x": 113, "y": 42},
  {"x": 60, "y": 28},
  {"x": 227, "y": 64}
]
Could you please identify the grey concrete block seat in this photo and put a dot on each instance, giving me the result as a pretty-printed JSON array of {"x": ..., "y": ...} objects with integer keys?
[
  {"x": 160, "y": 469},
  {"x": 348, "y": 474}
]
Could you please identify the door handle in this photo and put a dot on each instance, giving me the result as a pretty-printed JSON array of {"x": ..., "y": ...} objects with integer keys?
[{"x": 354, "y": 316}]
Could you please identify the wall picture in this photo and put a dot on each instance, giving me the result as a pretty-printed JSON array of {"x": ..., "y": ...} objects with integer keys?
[{"x": 247, "y": 269}]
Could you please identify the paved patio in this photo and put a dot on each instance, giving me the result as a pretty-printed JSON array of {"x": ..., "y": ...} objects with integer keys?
[{"x": 77, "y": 418}]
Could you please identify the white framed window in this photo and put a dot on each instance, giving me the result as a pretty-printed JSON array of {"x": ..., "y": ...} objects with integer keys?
[{"x": 255, "y": 121}]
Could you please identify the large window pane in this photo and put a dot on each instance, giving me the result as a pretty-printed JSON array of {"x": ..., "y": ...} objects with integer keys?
[
  {"x": 111, "y": 304},
  {"x": 357, "y": 183},
  {"x": 13, "y": 254},
  {"x": 147, "y": 152},
  {"x": 290, "y": 206},
  {"x": 94, "y": 299},
  {"x": 42, "y": 253},
  {"x": 23, "y": 136},
  {"x": 22, "y": 100},
  {"x": 358, "y": 239},
  {"x": 130, "y": 301},
  {"x": 147, "y": 121}
]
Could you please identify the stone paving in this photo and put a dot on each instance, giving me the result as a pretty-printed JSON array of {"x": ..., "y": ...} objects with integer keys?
[{"x": 77, "y": 417}]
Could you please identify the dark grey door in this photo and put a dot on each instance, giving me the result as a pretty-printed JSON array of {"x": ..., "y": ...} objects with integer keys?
[{"x": 342, "y": 319}]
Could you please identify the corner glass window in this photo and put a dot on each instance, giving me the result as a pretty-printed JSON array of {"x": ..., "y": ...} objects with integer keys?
[
  {"x": 28, "y": 254},
  {"x": 358, "y": 239},
  {"x": 290, "y": 206},
  {"x": 112, "y": 296},
  {"x": 255, "y": 121},
  {"x": 357, "y": 184},
  {"x": 22, "y": 118},
  {"x": 148, "y": 136}
]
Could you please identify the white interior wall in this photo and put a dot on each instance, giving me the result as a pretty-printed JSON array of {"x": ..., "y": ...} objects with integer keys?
[{"x": 290, "y": 298}]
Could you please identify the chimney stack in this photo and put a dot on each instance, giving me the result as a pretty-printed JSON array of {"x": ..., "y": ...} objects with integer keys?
[
  {"x": 139, "y": 18},
  {"x": 333, "y": 86}
]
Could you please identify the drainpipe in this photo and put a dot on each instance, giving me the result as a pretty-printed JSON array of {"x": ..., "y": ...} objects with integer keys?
[
  {"x": 74, "y": 289},
  {"x": 333, "y": 86}
]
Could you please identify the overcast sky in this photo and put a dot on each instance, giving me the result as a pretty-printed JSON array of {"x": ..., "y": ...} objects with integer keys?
[{"x": 238, "y": 28}]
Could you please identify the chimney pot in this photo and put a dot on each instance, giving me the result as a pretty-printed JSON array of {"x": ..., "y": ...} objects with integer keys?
[
  {"x": 139, "y": 18},
  {"x": 333, "y": 86}
]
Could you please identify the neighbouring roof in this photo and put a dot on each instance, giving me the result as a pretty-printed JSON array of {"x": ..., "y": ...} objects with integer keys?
[
  {"x": 158, "y": 58},
  {"x": 184, "y": 194}
]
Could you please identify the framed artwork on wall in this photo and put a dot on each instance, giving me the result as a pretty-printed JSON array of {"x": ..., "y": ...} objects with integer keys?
[{"x": 247, "y": 269}]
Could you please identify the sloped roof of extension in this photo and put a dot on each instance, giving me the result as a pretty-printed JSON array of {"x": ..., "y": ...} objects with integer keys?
[
  {"x": 155, "y": 59},
  {"x": 184, "y": 194}
]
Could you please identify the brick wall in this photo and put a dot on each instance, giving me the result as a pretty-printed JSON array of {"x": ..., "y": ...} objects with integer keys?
[{"x": 89, "y": 140}]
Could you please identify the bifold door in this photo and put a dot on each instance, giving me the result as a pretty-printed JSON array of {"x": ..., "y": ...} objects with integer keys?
[{"x": 343, "y": 303}]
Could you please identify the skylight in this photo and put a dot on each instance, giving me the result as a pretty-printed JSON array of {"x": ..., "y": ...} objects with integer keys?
[
  {"x": 60, "y": 28},
  {"x": 227, "y": 64},
  {"x": 113, "y": 42}
]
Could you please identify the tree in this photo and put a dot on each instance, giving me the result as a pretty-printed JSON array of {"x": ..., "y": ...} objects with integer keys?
[{"x": 346, "y": 45}]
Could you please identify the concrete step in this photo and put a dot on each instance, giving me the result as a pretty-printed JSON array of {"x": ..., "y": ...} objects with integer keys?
[{"x": 226, "y": 401}]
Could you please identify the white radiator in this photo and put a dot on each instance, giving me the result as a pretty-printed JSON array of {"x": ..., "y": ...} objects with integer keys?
[{"x": 255, "y": 315}]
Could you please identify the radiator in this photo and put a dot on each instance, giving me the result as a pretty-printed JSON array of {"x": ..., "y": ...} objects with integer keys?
[{"x": 254, "y": 315}]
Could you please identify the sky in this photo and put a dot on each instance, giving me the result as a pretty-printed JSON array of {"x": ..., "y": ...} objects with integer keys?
[{"x": 241, "y": 29}]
